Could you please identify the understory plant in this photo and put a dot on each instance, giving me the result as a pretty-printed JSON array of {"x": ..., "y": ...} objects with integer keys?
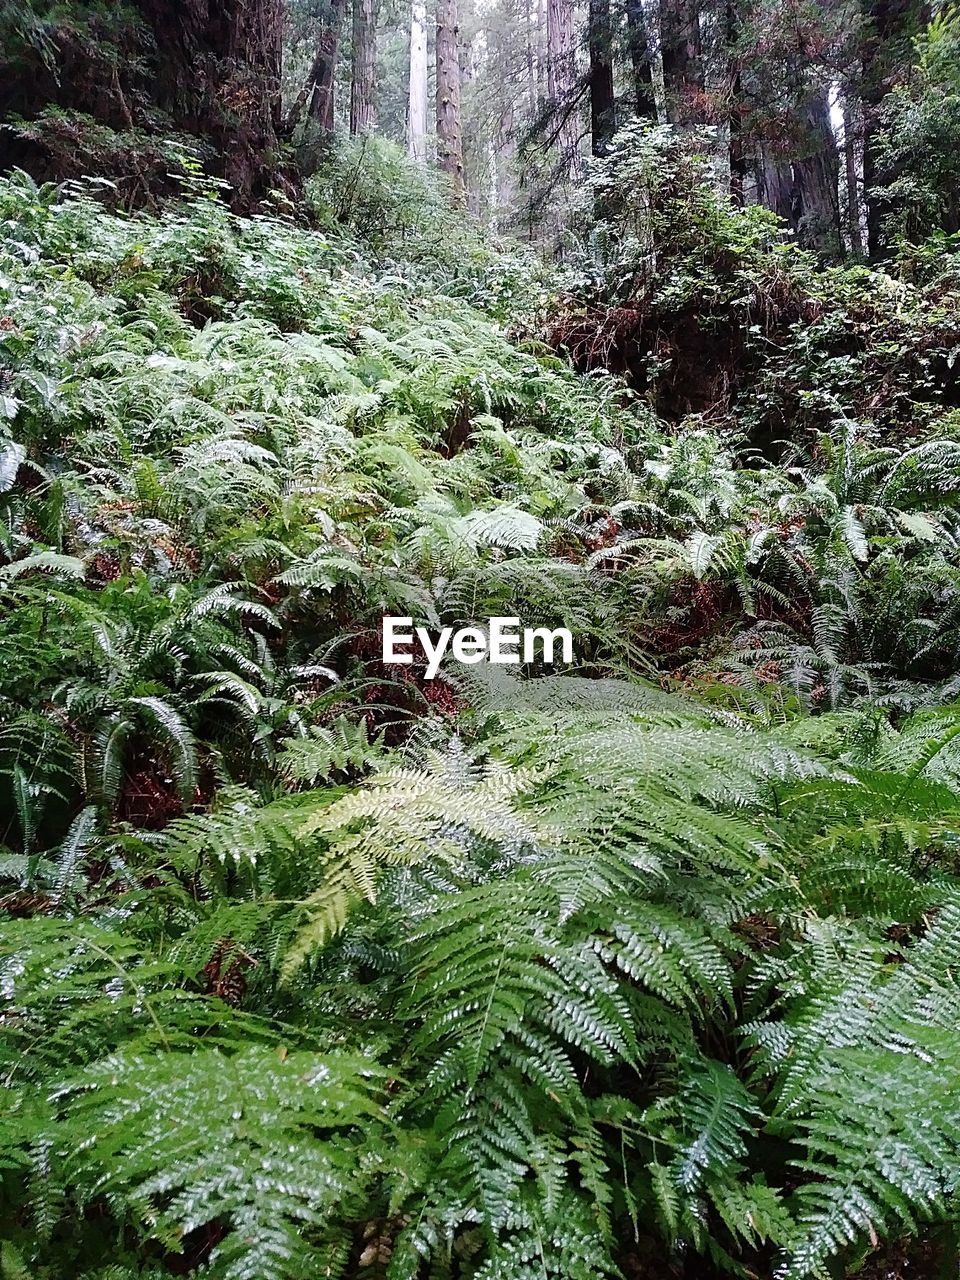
[{"x": 311, "y": 966}]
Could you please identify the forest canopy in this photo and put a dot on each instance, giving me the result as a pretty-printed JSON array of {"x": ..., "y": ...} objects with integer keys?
[{"x": 638, "y": 318}]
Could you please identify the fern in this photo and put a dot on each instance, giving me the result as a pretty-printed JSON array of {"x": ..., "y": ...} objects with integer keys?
[
  {"x": 404, "y": 817},
  {"x": 43, "y": 562},
  {"x": 312, "y": 968},
  {"x": 294, "y": 1118},
  {"x": 342, "y": 748},
  {"x": 881, "y": 1135}
]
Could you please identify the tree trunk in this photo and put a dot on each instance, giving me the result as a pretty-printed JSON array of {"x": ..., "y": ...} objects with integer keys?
[
  {"x": 206, "y": 68},
  {"x": 324, "y": 71},
  {"x": 449, "y": 121},
  {"x": 738, "y": 166},
  {"x": 530, "y": 36},
  {"x": 682, "y": 53},
  {"x": 851, "y": 168},
  {"x": 641, "y": 61},
  {"x": 362, "y": 81},
  {"x": 816, "y": 181},
  {"x": 541, "y": 52},
  {"x": 216, "y": 74},
  {"x": 504, "y": 155},
  {"x": 561, "y": 79},
  {"x": 775, "y": 184},
  {"x": 602, "y": 104},
  {"x": 417, "y": 99}
]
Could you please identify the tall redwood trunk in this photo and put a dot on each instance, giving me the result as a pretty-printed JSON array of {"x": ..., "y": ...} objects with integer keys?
[
  {"x": 540, "y": 18},
  {"x": 774, "y": 175},
  {"x": 206, "y": 68},
  {"x": 561, "y": 79},
  {"x": 417, "y": 89},
  {"x": 323, "y": 73},
  {"x": 641, "y": 61},
  {"x": 503, "y": 152},
  {"x": 449, "y": 120},
  {"x": 816, "y": 180},
  {"x": 682, "y": 53},
  {"x": 852, "y": 176},
  {"x": 738, "y": 162},
  {"x": 218, "y": 75},
  {"x": 801, "y": 184},
  {"x": 532, "y": 38},
  {"x": 363, "y": 78},
  {"x": 602, "y": 104}
]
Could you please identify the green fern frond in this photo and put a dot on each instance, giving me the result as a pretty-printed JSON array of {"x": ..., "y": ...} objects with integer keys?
[
  {"x": 286, "y": 1128},
  {"x": 47, "y": 562},
  {"x": 882, "y": 1135},
  {"x": 343, "y": 747},
  {"x": 404, "y": 817}
]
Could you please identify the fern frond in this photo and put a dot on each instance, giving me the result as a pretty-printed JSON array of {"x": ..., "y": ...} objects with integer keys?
[
  {"x": 342, "y": 747},
  {"x": 286, "y": 1128},
  {"x": 404, "y": 817}
]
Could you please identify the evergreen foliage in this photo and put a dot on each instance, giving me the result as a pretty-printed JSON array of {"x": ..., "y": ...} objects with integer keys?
[{"x": 314, "y": 967}]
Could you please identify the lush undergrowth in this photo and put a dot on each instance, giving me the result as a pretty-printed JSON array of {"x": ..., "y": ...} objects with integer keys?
[{"x": 313, "y": 967}]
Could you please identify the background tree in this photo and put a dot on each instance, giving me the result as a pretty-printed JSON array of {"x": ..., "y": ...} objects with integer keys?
[
  {"x": 208, "y": 70},
  {"x": 417, "y": 92},
  {"x": 362, "y": 81},
  {"x": 786, "y": 65},
  {"x": 796, "y": 92},
  {"x": 603, "y": 109},
  {"x": 816, "y": 203},
  {"x": 449, "y": 118},
  {"x": 317, "y": 95},
  {"x": 217, "y": 73},
  {"x": 681, "y": 52},
  {"x": 888, "y": 31},
  {"x": 735, "y": 99},
  {"x": 641, "y": 60},
  {"x": 562, "y": 86}
]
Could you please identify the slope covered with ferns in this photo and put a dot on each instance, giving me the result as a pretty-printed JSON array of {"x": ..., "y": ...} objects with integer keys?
[{"x": 312, "y": 967}]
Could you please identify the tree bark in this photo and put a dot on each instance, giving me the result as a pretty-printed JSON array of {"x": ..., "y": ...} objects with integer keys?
[
  {"x": 323, "y": 74},
  {"x": 541, "y": 52},
  {"x": 682, "y": 54},
  {"x": 449, "y": 120},
  {"x": 561, "y": 79},
  {"x": 738, "y": 166},
  {"x": 530, "y": 37},
  {"x": 417, "y": 95},
  {"x": 775, "y": 184},
  {"x": 504, "y": 148},
  {"x": 216, "y": 73},
  {"x": 602, "y": 104},
  {"x": 851, "y": 169},
  {"x": 816, "y": 181},
  {"x": 363, "y": 78},
  {"x": 803, "y": 187},
  {"x": 641, "y": 61}
]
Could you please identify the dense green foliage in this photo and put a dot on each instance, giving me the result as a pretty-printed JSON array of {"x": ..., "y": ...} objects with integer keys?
[
  {"x": 920, "y": 121},
  {"x": 313, "y": 967}
]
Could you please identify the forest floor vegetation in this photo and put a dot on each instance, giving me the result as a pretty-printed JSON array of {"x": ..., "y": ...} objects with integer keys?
[{"x": 313, "y": 966}]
